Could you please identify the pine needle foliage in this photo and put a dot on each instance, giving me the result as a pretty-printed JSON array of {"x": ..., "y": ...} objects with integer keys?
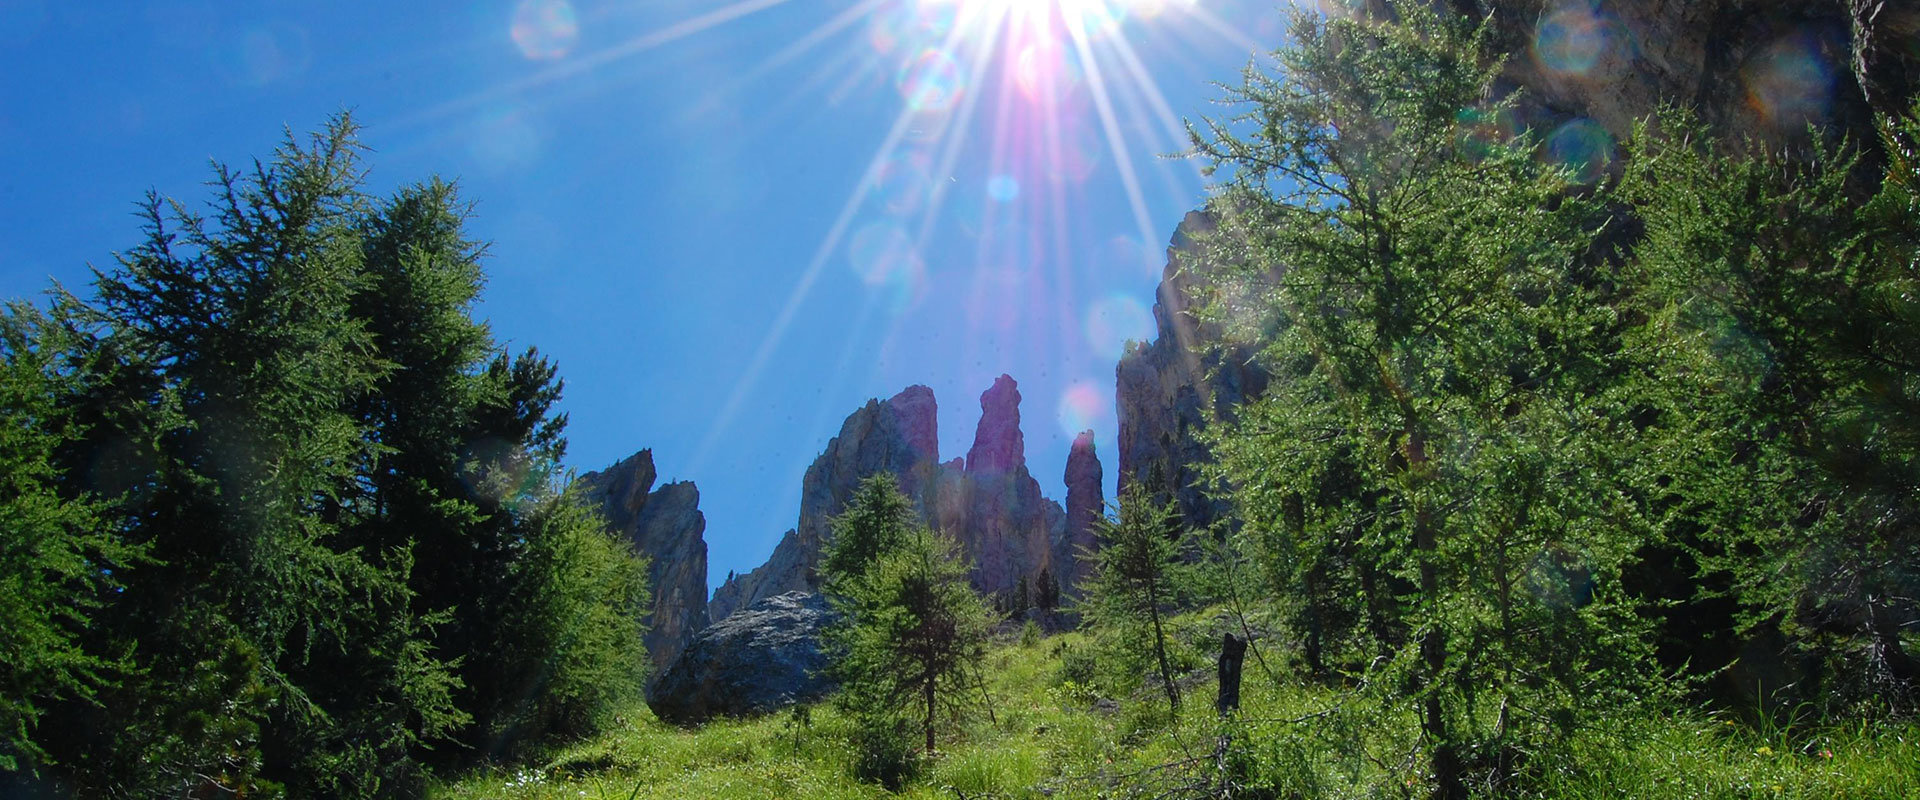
[
  {"x": 1429, "y": 477},
  {"x": 289, "y": 514},
  {"x": 911, "y": 629},
  {"x": 1137, "y": 580}
]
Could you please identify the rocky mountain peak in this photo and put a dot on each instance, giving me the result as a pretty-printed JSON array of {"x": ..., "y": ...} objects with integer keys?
[
  {"x": 917, "y": 415},
  {"x": 998, "y": 445},
  {"x": 667, "y": 526},
  {"x": 1086, "y": 501}
]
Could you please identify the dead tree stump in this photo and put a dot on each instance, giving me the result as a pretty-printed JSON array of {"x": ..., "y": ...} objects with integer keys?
[{"x": 1233, "y": 654}]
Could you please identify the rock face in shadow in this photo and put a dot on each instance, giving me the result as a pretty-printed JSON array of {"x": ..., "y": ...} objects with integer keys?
[
  {"x": 666, "y": 526},
  {"x": 1765, "y": 70},
  {"x": 988, "y": 502},
  {"x": 785, "y": 571},
  {"x": 1168, "y": 390},
  {"x": 1086, "y": 501},
  {"x": 761, "y": 658}
]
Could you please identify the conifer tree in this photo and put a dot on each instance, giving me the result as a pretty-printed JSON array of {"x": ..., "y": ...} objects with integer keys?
[
  {"x": 323, "y": 499},
  {"x": 1425, "y": 469},
  {"x": 57, "y": 558},
  {"x": 1136, "y": 580},
  {"x": 911, "y": 630}
]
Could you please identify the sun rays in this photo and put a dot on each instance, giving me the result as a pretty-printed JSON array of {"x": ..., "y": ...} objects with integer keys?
[
  {"x": 1006, "y": 114},
  {"x": 1052, "y": 91}
]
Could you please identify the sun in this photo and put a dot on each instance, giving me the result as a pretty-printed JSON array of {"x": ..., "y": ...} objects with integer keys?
[{"x": 1050, "y": 17}]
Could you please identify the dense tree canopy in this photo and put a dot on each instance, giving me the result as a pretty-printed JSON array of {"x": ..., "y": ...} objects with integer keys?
[
  {"x": 289, "y": 516},
  {"x": 1529, "y": 420}
]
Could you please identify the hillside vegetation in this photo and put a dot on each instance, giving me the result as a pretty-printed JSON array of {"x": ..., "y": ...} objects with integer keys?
[
  {"x": 1573, "y": 479},
  {"x": 1051, "y": 735}
]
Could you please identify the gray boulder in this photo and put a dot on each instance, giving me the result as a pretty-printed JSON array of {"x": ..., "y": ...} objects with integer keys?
[{"x": 761, "y": 658}]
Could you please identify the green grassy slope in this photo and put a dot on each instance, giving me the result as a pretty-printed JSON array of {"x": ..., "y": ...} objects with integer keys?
[{"x": 1057, "y": 738}]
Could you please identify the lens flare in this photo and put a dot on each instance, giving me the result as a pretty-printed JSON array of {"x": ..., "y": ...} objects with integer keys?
[
  {"x": 1115, "y": 320},
  {"x": 545, "y": 30},
  {"x": 1576, "y": 38},
  {"x": 265, "y": 55},
  {"x": 1043, "y": 70},
  {"x": 931, "y": 81},
  {"x": 1079, "y": 151},
  {"x": 1094, "y": 19},
  {"x": 877, "y": 250},
  {"x": 1003, "y": 188},
  {"x": 1582, "y": 146},
  {"x": 1482, "y": 130},
  {"x": 884, "y": 257},
  {"x": 906, "y": 26},
  {"x": 1129, "y": 256},
  {"x": 503, "y": 139},
  {"x": 1790, "y": 84},
  {"x": 903, "y": 182},
  {"x": 1083, "y": 406}
]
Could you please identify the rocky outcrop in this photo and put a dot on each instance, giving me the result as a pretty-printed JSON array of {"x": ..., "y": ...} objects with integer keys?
[
  {"x": 998, "y": 445},
  {"x": 786, "y": 570},
  {"x": 898, "y": 436},
  {"x": 992, "y": 505},
  {"x": 1166, "y": 391},
  {"x": 1086, "y": 502},
  {"x": 666, "y": 526},
  {"x": 988, "y": 502},
  {"x": 1764, "y": 70},
  {"x": 759, "y": 659}
]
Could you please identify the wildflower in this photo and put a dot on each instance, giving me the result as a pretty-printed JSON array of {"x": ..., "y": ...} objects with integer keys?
[{"x": 1764, "y": 751}]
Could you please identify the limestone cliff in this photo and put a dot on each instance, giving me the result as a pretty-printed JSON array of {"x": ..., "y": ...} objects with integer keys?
[
  {"x": 988, "y": 502},
  {"x": 666, "y": 526},
  {"x": 1169, "y": 389},
  {"x": 899, "y": 436},
  {"x": 1086, "y": 502}
]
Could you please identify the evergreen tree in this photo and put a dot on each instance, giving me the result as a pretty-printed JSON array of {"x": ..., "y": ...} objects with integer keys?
[
  {"x": 1135, "y": 580},
  {"x": 1432, "y": 468},
  {"x": 911, "y": 629},
  {"x": 335, "y": 541},
  {"x": 876, "y": 521},
  {"x": 1781, "y": 328},
  {"x": 57, "y": 558}
]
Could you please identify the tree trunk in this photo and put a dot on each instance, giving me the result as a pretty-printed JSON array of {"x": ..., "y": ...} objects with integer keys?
[
  {"x": 929, "y": 695},
  {"x": 1160, "y": 650},
  {"x": 1433, "y": 643}
]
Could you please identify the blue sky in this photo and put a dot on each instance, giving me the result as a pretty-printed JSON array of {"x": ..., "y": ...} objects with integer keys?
[{"x": 730, "y": 222}]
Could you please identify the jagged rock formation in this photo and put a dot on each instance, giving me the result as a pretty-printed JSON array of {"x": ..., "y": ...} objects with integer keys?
[
  {"x": 762, "y": 658},
  {"x": 1166, "y": 391},
  {"x": 666, "y": 526},
  {"x": 899, "y": 436},
  {"x": 988, "y": 502},
  {"x": 1086, "y": 501},
  {"x": 993, "y": 505},
  {"x": 786, "y": 570},
  {"x": 998, "y": 445}
]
